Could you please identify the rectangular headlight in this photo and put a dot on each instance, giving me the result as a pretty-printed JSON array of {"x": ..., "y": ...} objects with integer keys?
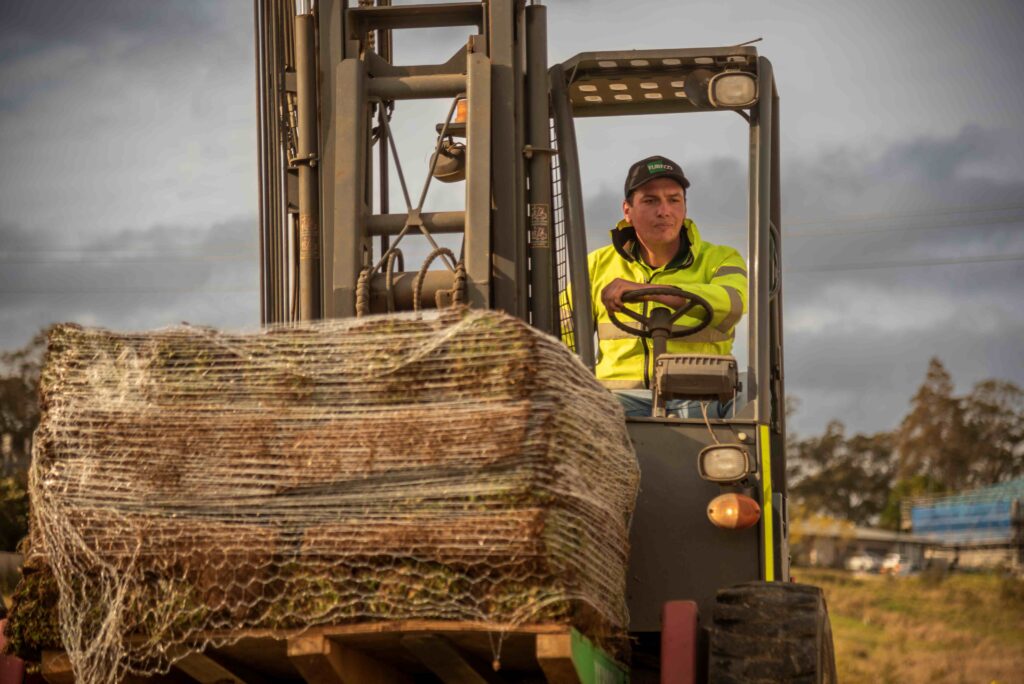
[
  {"x": 723, "y": 463},
  {"x": 732, "y": 89}
]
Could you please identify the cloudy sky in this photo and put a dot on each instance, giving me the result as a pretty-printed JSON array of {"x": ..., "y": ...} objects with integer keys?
[{"x": 128, "y": 173}]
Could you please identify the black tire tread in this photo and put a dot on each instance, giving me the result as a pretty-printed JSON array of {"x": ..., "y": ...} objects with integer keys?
[{"x": 770, "y": 632}]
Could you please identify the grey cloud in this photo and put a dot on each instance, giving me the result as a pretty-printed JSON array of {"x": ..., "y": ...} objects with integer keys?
[
  {"x": 43, "y": 45},
  {"x": 864, "y": 371},
  {"x": 14, "y": 238},
  {"x": 867, "y": 380},
  {"x": 601, "y": 210},
  {"x": 914, "y": 200},
  {"x": 940, "y": 159},
  {"x": 153, "y": 278},
  {"x": 130, "y": 121},
  {"x": 27, "y": 25}
]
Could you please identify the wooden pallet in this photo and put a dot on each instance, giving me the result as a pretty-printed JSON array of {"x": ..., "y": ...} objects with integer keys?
[{"x": 403, "y": 652}]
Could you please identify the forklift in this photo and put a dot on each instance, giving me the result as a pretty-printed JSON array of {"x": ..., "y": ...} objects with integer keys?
[{"x": 709, "y": 591}]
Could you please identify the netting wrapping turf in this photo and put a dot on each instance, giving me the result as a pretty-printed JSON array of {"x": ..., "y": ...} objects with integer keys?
[{"x": 189, "y": 484}]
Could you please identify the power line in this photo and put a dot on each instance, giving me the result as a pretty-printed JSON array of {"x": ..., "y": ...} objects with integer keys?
[
  {"x": 132, "y": 291},
  {"x": 861, "y": 266},
  {"x": 946, "y": 211},
  {"x": 901, "y": 229},
  {"x": 15, "y": 258},
  {"x": 108, "y": 252},
  {"x": 855, "y": 266},
  {"x": 148, "y": 258},
  {"x": 820, "y": 220},
  {"x": 5, "y": 259},
  {"x": 867, "y": 265},
  {"x": 874, "y": 218}
]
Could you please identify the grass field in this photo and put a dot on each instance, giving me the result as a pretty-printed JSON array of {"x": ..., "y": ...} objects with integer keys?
[{"x": 960, "y": 628}]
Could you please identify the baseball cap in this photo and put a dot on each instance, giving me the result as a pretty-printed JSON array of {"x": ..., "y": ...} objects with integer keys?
[{"x": 651, "y": 168}]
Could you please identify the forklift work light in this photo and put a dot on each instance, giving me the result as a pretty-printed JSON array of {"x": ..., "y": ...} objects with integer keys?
[
  {"x": 733, "y": 511},
  {"x": 461, "y": 111},
  {"x": 450, "y": 166},
  {"x": 723, "y": 463},
  {"x": 696, "y": 86},
  {"x": 732, "y": 89}
]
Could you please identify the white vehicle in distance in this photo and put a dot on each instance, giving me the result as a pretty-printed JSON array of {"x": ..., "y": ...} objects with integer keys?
[
  {"x": 864, "y": 562},
  {"x": 896, "y": 564}
]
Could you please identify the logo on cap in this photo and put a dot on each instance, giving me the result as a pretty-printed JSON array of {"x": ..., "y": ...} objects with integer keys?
[{"x": 654, "y": 166}]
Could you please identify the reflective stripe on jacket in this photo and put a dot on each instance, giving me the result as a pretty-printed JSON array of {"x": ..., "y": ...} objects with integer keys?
[{"x": 715, "y": 272}]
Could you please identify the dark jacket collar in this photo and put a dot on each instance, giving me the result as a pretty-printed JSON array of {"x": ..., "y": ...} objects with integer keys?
[{"x": 628, "y": 246}]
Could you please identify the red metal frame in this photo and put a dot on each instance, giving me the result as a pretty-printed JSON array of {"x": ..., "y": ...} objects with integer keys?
[{"x": 679, "y": 642}]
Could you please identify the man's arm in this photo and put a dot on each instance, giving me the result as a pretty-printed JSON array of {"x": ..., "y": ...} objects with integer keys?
[
  {"x": 726, "y": 292},
  {"x": 611, "y": 295}
]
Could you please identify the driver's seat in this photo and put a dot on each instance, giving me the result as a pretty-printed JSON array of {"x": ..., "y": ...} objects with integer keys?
[{"x": 702, "y": 377}]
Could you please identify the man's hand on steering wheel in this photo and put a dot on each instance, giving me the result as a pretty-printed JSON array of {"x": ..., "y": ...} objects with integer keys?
[
  {"x": 679, "y": 302},
  {"x": 612, "y": 294}
]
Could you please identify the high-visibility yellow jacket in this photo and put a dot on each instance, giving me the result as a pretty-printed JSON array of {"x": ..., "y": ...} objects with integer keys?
[{"x": 715, "y": 272}]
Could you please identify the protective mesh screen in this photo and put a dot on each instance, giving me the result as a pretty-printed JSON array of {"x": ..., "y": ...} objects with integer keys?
[
  {"x": 188, "y": 484},
  {"x": 562, "y": 275}
]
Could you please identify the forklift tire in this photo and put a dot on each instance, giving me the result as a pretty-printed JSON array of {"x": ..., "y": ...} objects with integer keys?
[{"x": 771, "y": 632}]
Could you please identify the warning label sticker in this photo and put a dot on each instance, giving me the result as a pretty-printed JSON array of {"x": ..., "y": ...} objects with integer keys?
[{"x": 540, "y": 226}]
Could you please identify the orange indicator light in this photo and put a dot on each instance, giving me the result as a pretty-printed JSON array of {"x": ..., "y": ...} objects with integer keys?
[
  {"x": 461, "y": 108},
  {"x": 733, "y": 511}
]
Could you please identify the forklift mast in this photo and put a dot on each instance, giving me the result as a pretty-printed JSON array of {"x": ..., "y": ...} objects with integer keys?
[
  {"x": 327, "y": 90},
  {"x": 331, "y": 228}
]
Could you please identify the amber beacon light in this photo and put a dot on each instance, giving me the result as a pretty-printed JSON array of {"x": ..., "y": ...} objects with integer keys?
[
  {"x": 461, "y": 111},
  {"x": 733, "y": 511}
]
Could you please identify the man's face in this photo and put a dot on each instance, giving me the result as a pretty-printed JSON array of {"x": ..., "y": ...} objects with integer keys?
[{"x": 656, "y": 210}]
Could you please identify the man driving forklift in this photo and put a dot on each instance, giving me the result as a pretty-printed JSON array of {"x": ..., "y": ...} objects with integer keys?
[{"x": 655, "y": 245}]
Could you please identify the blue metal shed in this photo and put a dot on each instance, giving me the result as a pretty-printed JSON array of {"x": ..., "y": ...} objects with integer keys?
[{"x": 980, "y": 515}]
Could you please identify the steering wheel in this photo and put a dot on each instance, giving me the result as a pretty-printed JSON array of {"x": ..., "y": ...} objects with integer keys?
[{"x": 661, "y": 319}]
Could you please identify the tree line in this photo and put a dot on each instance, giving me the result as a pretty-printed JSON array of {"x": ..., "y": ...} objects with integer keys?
[
  {"x": 946, "y": 443},
  {"x": 19, "y": 416}
]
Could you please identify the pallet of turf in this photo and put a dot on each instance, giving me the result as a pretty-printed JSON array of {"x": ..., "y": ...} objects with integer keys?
[{"x": 191, "y": 486}]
